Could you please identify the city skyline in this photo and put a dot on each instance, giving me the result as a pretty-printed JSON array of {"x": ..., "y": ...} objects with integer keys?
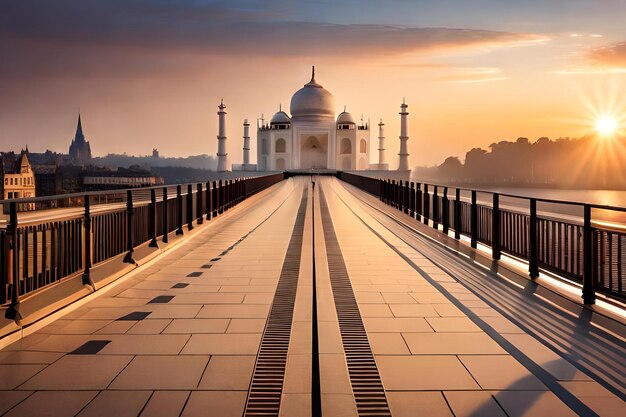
[{"x": 151, "y": 74}]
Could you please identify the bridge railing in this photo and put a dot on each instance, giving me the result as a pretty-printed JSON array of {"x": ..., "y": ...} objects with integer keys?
[
  {"x": 69, "y": 234},
  {"x": 583, "y": 243}
]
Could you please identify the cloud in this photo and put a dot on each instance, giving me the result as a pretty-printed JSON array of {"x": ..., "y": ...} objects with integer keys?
[
  {"x": 74, "y": 37},
  {"x": 610, "y": 56},
  {"x": 473, "y": 75}
]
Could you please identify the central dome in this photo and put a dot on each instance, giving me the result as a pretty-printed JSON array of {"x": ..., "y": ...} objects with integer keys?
[{"x": 312, "y": 102}]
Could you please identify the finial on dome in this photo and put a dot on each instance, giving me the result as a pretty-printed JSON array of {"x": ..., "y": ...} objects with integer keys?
[
  {"x": 344, "y": 108},
  {"x": 280, "y": 107},
  {"x": 313, "y": 73}
]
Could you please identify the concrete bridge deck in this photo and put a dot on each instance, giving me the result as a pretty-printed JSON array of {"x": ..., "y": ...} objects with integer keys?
[{"x": 317, "y": 301}]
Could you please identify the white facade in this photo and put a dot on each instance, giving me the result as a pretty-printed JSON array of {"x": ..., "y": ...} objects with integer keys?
[{"x": 311, "y": 138}]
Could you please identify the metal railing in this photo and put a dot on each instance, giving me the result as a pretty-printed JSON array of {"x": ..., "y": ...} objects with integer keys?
[
  {"x": 581, "y": 242},
  {"x": 69, "y": 234}
]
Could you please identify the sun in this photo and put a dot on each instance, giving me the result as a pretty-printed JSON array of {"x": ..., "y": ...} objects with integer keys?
[{"x": 606, "y": 125}]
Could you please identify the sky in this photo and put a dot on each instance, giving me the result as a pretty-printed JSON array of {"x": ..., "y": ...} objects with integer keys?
[{"x": 151, "y": 73}]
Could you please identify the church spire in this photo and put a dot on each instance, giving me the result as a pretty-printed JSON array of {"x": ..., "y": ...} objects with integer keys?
[{"x": 79, "y": 130}]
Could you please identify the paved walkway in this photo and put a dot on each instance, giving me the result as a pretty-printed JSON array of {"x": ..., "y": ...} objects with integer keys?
[{"x": 300, "y": 301}]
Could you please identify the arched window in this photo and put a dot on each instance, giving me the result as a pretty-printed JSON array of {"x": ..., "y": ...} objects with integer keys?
[
  {"x": 281, "y": 146},
  {"x": 363, "y": 146},
  {"x": 345, "y": 147},
  {"x": 280, "y": 164},
  {"x": 263, "y": 147}
]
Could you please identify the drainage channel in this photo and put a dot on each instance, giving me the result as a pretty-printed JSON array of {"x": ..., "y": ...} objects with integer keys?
[
  {"x": 269, "y": 373},
  {"x": 369, "y": 393}
]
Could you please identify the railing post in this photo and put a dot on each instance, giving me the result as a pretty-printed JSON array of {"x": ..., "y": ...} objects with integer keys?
[
  {"x": 589, "y": 291},
  {"x": 129, "y": 228},
  {"x": 189, "y": 207},
  {"x": 418, "y": 201},
  {"x": 458, "y": 220},
  {"x": 474, "y": 221},
  {"x": 215, "y": 204},
  {"x": 435, "y": 214},
  {"x": 12, "y": 311},
  {"x": 495, "y": 228},
  {"x": 445, "y": 208},
  {"x": 179, "y": 202},
  {"x": 153, "y": 223},
  {"x": 207, "y": 196},
  {"x": 426, "y": 204},
  {"x": 87, "y": 243},
  {"x": 412, "y": 200},
  {"x": 400, "y": 195},
  {"x": 165, "y": 222},
  {"x": 220, "y": 192},
  {"x": 407, "y": 201},
  {"x": 533, "y": 258},
  {"x": 199, "y": 215}
]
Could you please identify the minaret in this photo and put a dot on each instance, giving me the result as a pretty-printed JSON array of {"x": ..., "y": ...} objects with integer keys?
[
  {"x": 404, "y": 137},
  {"x": 222, "y": 155},
  {"x": 246, "y": 144},
  {"x": 381, "y": 142}
]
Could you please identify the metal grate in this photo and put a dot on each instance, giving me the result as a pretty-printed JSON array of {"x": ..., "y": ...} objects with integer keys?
[
  {"x": 269, "y": 372},
  {"x": 369, "y": 393}
]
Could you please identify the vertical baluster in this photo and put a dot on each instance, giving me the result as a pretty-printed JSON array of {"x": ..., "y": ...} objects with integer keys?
[
  {"x": 12, "y": 312},
  {"x": 458, "y": 220},
  {"x": 199, "y": 200},
  {"x": 207, "y": 195},
  {"x": 495, "y": 228},
  {"x": 412, "y": 200},
  {"x": 179, "y": 202},
  {"x": 533, "y": 261},
  {"x": 474, "y": 221},
  {"x": 589, "y": 292},
  {"x": 165, "y": 221},
  {"x": 445, "y": 208},
  {"x": 129, "y": 228},
  {"x": 426, "y": 204},
  {"x": 87, "y": 245},
  {"x": 153, "y": 221},
  {"x": 435, "y": 215}
]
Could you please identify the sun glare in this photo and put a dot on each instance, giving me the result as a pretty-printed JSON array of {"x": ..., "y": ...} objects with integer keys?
[{"x": 606, "y": 125}]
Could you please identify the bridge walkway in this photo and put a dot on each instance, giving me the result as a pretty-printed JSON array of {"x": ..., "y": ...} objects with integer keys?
[{"x": 313, "y": 300}]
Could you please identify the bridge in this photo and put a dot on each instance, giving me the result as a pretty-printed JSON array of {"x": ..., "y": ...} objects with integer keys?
[{"x": 311, "y": 295}]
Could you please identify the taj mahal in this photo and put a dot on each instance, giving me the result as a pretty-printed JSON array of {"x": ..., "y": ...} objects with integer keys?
[{"x": 312, "y": 137}]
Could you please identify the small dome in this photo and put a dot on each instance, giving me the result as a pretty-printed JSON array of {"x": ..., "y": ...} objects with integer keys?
[
  {"x": 280, "y": 117},
  {"x": 345, "y": 118},
  {"x": 312, "y": 102}
]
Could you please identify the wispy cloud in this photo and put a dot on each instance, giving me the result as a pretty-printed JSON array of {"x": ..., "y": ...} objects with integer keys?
[
  {"x": 111, "y": 35},
  {"x": 468, "y": 75},
  {"x": 610, "y": 56}
]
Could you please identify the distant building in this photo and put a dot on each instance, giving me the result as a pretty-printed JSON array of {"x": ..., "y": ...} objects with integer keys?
[
  {"x": 155, "y": 153},
  {"x": 80, "y": 151},
  {"x": 134, "y": 177},
  {"x": 18, "y": 178}
]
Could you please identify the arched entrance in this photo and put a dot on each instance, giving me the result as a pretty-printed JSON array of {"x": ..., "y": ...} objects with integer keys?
[{"x": 313, "y": 152}]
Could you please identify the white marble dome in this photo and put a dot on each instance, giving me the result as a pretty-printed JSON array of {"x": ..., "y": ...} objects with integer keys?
[
  {"x": 345, "y": 118},
  {"x": 280, "y": 117},
  {"x": 312, "y": 102}
]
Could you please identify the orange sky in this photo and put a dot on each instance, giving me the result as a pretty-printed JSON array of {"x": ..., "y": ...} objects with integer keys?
[{"x": 467, "y": 85}]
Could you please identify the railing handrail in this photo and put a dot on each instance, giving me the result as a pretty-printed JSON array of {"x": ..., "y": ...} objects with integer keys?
[
  {"x": 120, "y": 191},
  {"x": 538, "y": 199}
]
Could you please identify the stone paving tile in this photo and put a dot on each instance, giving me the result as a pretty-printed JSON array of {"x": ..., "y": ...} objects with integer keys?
[
  {"x": 79, "y": 372},
  {"x": 501, "y": 372},
  {"x": 76, "y": 326},
  {"x": 421, "y": 373},
  {"x": 532, "y": 404},
  {"x": 27, "y": 357},
  {"x": 162, "y": 372},
  {"x": 338, "y": 405},
  {"x": 189, "y": 326},
  {"x": 295, "y": 405},
  {"x": 223, "y": 344},
  {"x": 410, "y": 404},
  {"x": 451, "y": 343},
  {"x": 396, "y": 325},
  {"x": 116, "y": 403},
  {"x": 246, "y": 326},
  {"x": 12, "y": 376},
  {"x": 165, "y": 404},
  {"x": 145, "y": 344},
  {"x": 215, "y": 404},
  {"x": 52, "y": 404},
  {"x": 243, "y": 311},
  {"x": 452, "y": 324},
  {"x": 473, "y": 404},
  {"x": 388, "y": 344},
  {"x": 413, "y": 310},
  {"x": 238, "y": 370},
  {"x": 149, "y": 326},
  {"x": 9, "y": 399}
]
